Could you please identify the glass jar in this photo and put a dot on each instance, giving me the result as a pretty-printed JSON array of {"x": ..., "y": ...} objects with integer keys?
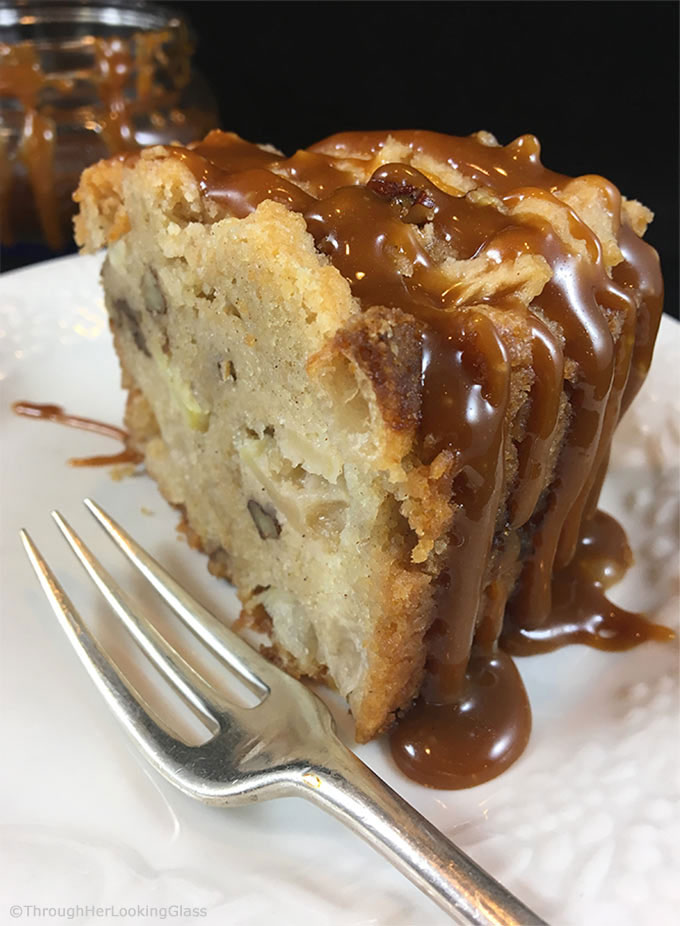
[{"x": 79, "y": 82}]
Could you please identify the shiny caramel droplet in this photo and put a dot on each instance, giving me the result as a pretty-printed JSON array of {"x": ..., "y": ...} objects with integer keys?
[{"x": 473, "y": 739}]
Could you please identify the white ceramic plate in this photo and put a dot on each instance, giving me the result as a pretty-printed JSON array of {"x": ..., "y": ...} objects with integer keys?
[{"x": 584, "y": 827}]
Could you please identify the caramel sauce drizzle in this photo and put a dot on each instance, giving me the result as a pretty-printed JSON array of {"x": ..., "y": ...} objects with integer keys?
[
  {"x": 472, "y": 718},
  {"x": 48, "y": 412}
]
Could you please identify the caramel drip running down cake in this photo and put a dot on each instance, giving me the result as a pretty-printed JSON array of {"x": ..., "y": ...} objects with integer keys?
[{"x": 381, "y": 379}]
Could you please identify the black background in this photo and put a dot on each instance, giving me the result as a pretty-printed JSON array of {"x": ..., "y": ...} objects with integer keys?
[{"x": 596, "y": 82}]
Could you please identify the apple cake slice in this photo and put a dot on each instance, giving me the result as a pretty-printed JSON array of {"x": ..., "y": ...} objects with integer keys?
[{"x": 381, "y": 379}]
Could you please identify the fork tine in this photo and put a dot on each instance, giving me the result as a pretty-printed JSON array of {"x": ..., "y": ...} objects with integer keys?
[
  {"x": 126, "y": 702},
  {"x": 254, "y": 669},
  {"x": 190, "y": 685}
]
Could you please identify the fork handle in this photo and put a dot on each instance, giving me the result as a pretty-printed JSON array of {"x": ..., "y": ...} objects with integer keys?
[{"x": 350, "y": 791}]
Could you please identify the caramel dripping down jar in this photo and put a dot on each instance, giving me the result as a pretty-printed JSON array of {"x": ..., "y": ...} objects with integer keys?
[{"x": 80, "y": 82}]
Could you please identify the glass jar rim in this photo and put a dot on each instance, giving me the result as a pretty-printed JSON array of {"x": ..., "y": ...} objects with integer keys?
[{"x": 136, "y": 16}]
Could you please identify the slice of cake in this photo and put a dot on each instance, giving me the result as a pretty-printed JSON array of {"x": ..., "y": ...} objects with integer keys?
[{"x": 381, "y": 379}]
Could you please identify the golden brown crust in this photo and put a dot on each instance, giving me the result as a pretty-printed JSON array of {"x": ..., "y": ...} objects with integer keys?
[
  {"x": 397, "y": 653},
  {"x": 102, "y": 217},
  {"x": 386, "y": 345}
]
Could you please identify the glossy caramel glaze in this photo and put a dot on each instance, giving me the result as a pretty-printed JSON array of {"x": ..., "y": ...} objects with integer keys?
[
  {"x": 395, "y": 234},
  {"x": 48, "y": 412}
]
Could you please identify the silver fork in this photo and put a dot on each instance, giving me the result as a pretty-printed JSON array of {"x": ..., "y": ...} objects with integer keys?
[{"x": 285, "y": 746}]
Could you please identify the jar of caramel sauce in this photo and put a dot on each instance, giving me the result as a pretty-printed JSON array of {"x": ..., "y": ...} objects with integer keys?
[{"x": 79, "y": 82}]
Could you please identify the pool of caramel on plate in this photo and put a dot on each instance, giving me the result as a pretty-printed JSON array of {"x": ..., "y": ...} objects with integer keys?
[{"x": 472, "y": 718}]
